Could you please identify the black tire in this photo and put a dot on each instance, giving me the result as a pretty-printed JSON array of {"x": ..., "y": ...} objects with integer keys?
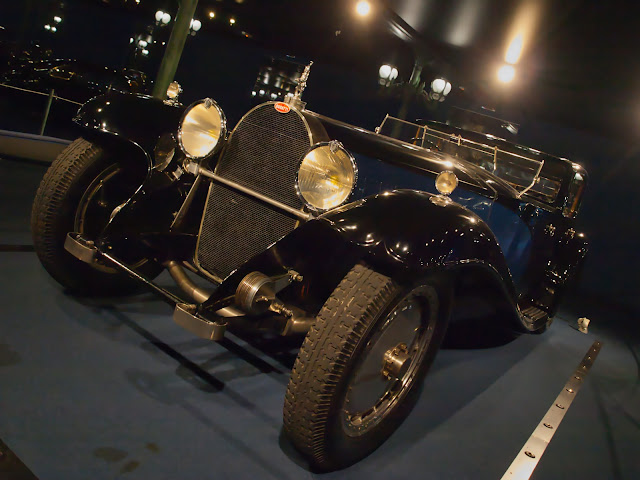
[
  {"x": 338, "y": 358},
  {"x": 78, "y": 193}
]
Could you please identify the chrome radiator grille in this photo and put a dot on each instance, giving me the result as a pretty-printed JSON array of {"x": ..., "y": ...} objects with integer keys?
[{"x": 263, "y": 154}]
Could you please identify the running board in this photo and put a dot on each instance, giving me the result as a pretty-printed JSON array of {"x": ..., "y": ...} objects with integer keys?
[{"x": 535, "y": 316}]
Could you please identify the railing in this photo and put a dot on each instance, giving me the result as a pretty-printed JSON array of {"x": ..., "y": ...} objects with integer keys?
[
  {"x": 520, "y": 171},
  {"x": 51, "y": 96}
]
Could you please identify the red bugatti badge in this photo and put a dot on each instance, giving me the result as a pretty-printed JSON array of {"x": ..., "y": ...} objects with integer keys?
[{"x": 282, "y": 107}]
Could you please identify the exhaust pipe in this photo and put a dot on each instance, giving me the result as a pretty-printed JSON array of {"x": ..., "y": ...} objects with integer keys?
[{"x": 185, "y": 283}]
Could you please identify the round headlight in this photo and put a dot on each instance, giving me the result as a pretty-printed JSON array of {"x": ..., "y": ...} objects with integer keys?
[
  {"x": 326, "y": 176},
  {"x": 202, "y": 129},
  {"x": 446, "y": 182}
]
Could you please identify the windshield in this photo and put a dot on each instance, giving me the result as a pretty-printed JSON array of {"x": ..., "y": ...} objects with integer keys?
[{"x": 520, "y": 170}]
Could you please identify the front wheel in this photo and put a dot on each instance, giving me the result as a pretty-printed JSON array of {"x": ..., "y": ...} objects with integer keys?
[
  {"x": 353, "y": 382},
  {"x": 78, "y": 194}
]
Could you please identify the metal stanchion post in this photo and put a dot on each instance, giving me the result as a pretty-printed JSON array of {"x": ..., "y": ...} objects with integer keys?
[
  {"x": 174, "y": 48},
  {"x": 46, "y": 112}
]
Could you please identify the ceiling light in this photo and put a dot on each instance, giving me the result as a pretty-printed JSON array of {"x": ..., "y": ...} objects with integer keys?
[
  {"x": 212, "y": 14},
  {"x": 514, "y": 51},
  {"x": 387, "y": 74},
  {"x": 506, "y": 73},
  {"x": 440, "y": 88},
  {"x": 363, "y": 8}
]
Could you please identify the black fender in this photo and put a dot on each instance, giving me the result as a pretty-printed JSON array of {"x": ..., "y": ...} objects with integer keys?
[
  {"x": 132, "y": 122},
  {"x": 565, "y": 266},
  {"x": 403, "y": 234}
]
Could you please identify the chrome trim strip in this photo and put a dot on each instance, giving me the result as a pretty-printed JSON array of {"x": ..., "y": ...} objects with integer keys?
[
  {"x": 236, "y": 186},
  {"x": 526, "y": 461}
]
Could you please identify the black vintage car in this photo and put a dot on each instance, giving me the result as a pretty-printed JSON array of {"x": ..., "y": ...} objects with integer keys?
[
  {"x": 300, "y": 224},
  {"x": 72, "y": 79}
]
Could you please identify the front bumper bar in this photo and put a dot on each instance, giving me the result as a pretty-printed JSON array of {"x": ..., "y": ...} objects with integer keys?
[{"x": 184, "y": 313}]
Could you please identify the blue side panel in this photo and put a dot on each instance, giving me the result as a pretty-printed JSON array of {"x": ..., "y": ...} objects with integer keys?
[{"x": 513, "y": 235}]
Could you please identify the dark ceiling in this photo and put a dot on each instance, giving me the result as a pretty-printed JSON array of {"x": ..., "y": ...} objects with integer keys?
[{"x": 580, "y": 65}]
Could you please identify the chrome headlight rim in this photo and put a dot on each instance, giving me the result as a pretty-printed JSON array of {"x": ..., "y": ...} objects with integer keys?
[
  {"x": 223, "y": 128},
  {"x": 354, "y": 167}
]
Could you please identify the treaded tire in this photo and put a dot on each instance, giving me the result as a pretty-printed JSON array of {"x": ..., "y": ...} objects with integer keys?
[
  {"x": 329, "y": 357},
  {"x": 54, "y": 215}
]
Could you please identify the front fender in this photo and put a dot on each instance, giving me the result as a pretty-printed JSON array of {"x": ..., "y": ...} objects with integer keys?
[
  {"x": 131, "y": 120},
  {"x": 404, "y": 232}
]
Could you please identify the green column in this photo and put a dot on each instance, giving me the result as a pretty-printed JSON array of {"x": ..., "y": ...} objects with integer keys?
[
  {"x": 409, "y": 93},
  {"x": 173, "y": 52}
]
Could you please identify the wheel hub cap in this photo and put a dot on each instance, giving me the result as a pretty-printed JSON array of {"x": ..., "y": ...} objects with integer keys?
[{"x": 396, "y": 362}]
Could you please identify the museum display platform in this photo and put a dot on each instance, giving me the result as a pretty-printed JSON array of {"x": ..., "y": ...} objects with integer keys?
[{"x": 113, "y": 388}]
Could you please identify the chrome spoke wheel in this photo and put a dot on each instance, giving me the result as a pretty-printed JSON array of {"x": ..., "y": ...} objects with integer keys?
[
  {"x": 388, "y": 364},
  {"x": 354, "y": 378}
]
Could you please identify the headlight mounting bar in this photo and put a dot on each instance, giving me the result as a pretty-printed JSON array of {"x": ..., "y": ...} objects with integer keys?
[{"x": 196, "y": 169}]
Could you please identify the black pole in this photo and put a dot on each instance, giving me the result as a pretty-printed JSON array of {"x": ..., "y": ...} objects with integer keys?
[
  {"x": 46, "y": 112},
  {"x": 173, "y": 52}
]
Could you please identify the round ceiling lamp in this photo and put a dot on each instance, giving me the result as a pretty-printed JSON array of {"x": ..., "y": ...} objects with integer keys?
[{"x": 440, "y": 88}]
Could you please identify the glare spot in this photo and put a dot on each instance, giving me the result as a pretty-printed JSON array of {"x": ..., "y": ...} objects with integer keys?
[
  {"x": 363, "y": 8},
  {"x": 506, "y": 73},
  {"x": 514, "y": 51},
  {"x": 467, "y": 19}
]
